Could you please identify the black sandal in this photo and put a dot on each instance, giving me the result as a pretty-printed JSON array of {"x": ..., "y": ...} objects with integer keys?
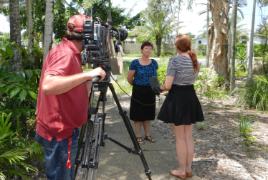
[
  {"x": 150, "y": 139},
  {"x": 139, "y": 140}
]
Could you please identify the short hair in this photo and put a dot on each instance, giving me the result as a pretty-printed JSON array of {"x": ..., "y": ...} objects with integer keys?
[
  {"x": 71, "y": 35},
  {"x": 147, "y": 43}
]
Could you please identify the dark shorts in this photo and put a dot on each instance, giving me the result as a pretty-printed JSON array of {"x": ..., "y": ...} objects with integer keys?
[{"x": 56, "y": 155}]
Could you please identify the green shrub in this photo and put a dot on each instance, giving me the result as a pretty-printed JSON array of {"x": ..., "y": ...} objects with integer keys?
[
  {"x": 161, "y": 73},
  {"x": 210, "y": 84},
  {"x": 201, "y": 49},
  {"x": 201, "y": 125},
  {"x": 18, "y": 91},
  {"x": 18, "y": 94},
  {"x": 6, "y": 53},
  {"x": 260, "y": 50},
  {"x": 241, "y": 55},
  {"x": 240, "y": 73},
  {"x": 15, "y": 151},
  {"x": 255, "y": 93},
  {"x": 245, "y": 128}
]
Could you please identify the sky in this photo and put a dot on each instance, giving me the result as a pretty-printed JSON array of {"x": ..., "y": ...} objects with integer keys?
[{"x": 193, "y": 22}]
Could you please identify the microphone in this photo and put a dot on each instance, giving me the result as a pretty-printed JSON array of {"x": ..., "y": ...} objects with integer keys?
[{"x": 154, "y": 83}]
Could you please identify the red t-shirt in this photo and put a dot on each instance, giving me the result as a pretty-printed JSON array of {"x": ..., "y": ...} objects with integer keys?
[{"x": 58, "y": 115}]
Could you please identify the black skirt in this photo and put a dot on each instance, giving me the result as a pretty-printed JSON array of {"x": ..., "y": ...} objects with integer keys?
[
  {"x": 181, "y": 106},
  {"x": 142, "y": 105}
]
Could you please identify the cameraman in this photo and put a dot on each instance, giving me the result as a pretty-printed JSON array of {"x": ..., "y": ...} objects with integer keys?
[{"x": 62, "y": 103}]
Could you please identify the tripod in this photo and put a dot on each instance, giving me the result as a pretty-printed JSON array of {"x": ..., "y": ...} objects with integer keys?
[{"x": 93, "y": 134}]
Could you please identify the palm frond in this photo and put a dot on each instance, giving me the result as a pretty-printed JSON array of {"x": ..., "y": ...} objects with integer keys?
[
  {"x": 13, "y": 156},
  {"x": 2, "y": 176}
]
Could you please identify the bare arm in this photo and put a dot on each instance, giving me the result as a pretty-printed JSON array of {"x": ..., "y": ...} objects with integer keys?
[
  {"x": 55, "y": 85},
  {"x": 130, "y": 76},
  {"x": 167, "y": 84},
  {"x": 198, "y": 66}
]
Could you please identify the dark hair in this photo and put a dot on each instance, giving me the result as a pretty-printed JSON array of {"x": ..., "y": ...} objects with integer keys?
[
  {"x": 147, "y": 43},
  {"x": 183, "y": 44},
  {"x": 74, "y": 35}
]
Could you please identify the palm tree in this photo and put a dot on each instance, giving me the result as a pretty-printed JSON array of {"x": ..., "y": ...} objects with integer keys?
[
  {"x": 157, "y": 22},
  {"x": 250, "y": 56},
  {"x": 15, "y": 35},
  {"x": 207, "y": 49},
  {"x": 219, "y": 38},
  {"x": 48, "y": 27},
  {"x": 29, "y": 28},
  {"x": 234, "y": 22}
]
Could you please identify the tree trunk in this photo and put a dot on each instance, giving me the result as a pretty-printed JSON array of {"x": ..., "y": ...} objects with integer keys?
[
  {"x": 207, "y": 49},
  {"x": 250, "y": 52},
  {"x": 15, "y": 36},
  {"x": 158, "y": 43},
  {"x": 264, "y": 64},
  {"x": 48, "y": 27},
  {"x": 179, "y": 10},
  {"x": 30, "y": 29},
  {"x": 210, "y": 39},
  {"x": 233, "y": 50},
  {"x": 218, "y": 54}
]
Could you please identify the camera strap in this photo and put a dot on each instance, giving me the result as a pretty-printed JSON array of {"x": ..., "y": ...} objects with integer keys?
[{"x": 69, "y": 147}]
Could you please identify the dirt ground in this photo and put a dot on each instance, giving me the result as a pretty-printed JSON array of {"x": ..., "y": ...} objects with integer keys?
[{"x": 220, "y": 151}]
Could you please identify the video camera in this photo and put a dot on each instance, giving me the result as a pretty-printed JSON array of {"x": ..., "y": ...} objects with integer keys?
[{"x": 99, "y": 48}]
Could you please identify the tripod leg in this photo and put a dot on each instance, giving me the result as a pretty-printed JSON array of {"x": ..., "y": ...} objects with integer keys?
[
  {"x": 80, "y": 144},
  {"x": 131, "y": 132},
  {"x": 88, "y": 145},
  {"x": 103, "y": 99}
]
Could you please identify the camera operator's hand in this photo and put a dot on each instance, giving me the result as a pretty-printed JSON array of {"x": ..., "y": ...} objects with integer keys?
[{"x": 97, "y": 72}]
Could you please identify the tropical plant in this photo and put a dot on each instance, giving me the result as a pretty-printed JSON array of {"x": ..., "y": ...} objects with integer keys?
[
  {"x": 14, "y": 151},
  {"x": 161, "y": 72},
  {"x": 18, "y": 92},
  {"x": 157, "y": 20},
  {"x": 254, "y": 95},
  {"x": 15, "y": 34},
  {"x": 209, "y": 84},
  {"x": 241, "y": 55},
  {"x": 245, "y": 128}
]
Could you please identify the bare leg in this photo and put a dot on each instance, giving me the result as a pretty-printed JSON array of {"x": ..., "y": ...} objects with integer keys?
[
  {"x": 137, "y": 128},
  {"x": 181, "y": 149},
  {"x": 190, "y": 147},
  {"x": 147, "y": 127}
]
